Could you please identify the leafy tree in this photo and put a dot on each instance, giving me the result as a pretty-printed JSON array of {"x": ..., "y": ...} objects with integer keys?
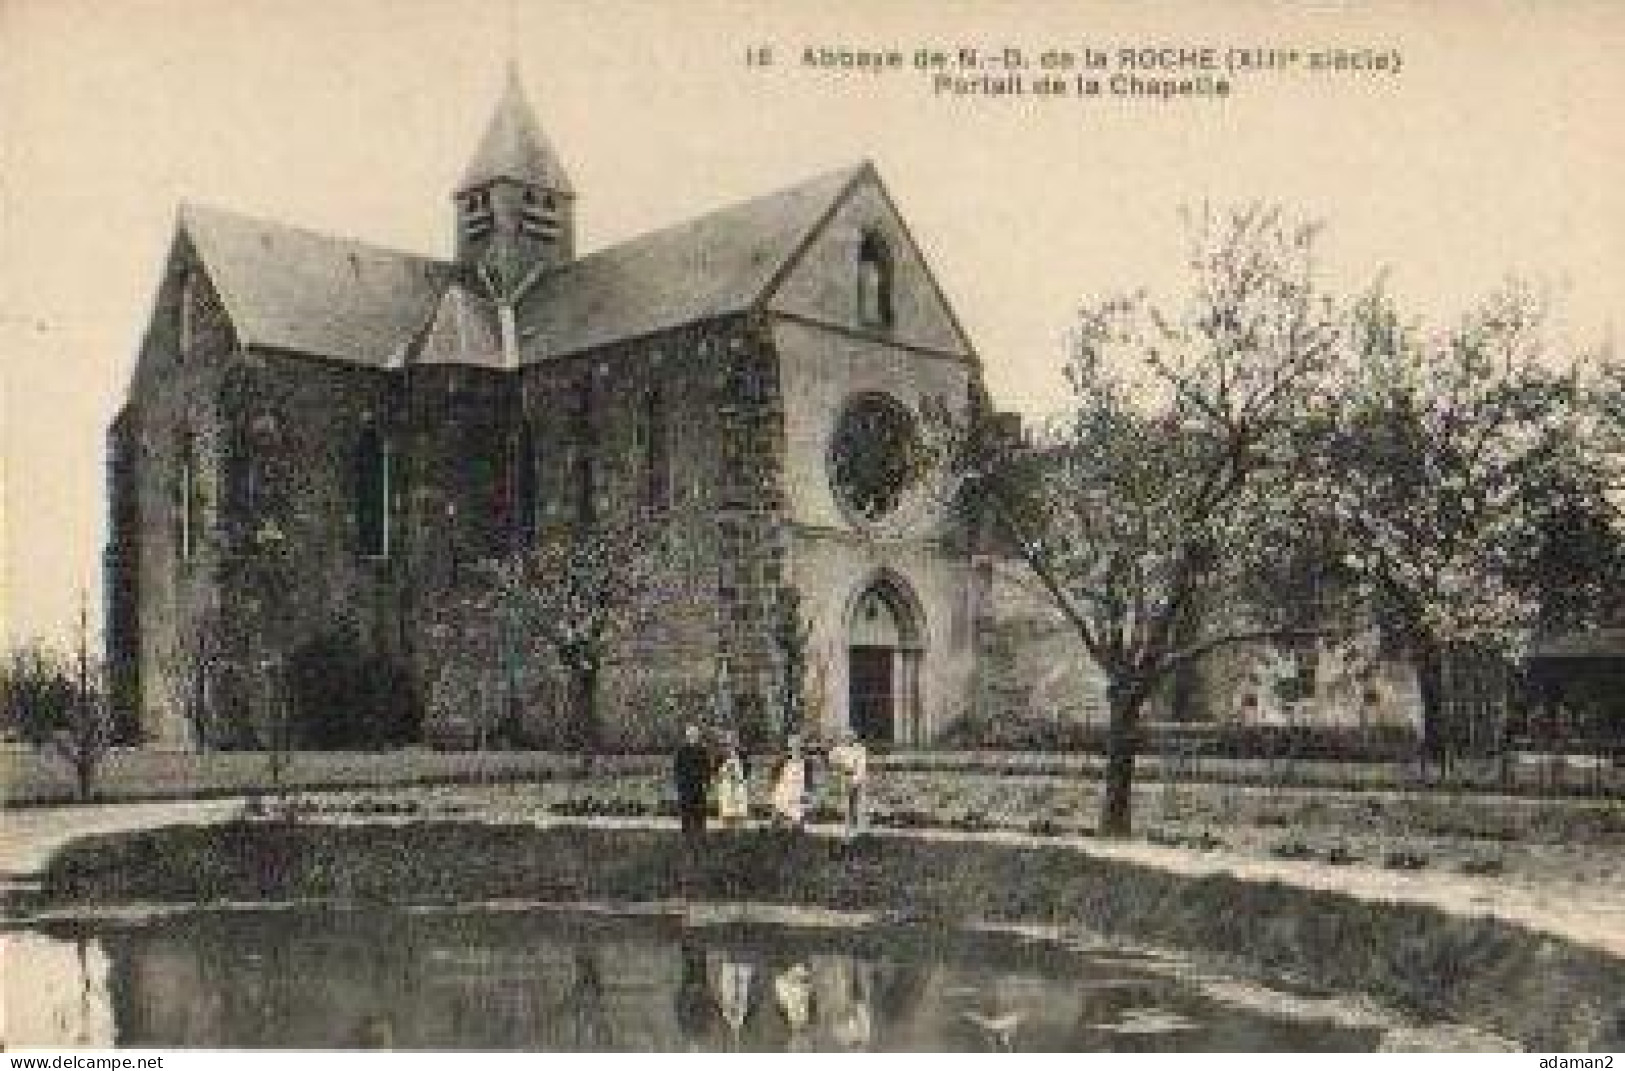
[
  {"x": 88, "y": 735},
  {"x": 578, "y": 590},
  {"x": 38, "y": 692},
  {"x": 1607, "y": 407},
  {"x": 1452, "y": 474},
  {"x": 472, "y": 688},
  {"x": 57, "y": 702},
  {"x": 1576, "y": 566},
  {"x": 1158, "y": 495}
]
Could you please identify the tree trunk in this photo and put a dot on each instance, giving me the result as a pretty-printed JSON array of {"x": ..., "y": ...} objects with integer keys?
[
  {"x": 84, "y": 768},
  {"x": 199, "y": 717},
  {"x": 276, "y": 758},
  {"x": 585, "y": 702},
  {"x": 1117, "y": 807},
  {"x": 1430, "y": 690}
]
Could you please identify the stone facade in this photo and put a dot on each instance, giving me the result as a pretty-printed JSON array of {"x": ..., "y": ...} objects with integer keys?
[
  {"x": 1034, "y": 672},
  {"x": 323, "y": 442}
]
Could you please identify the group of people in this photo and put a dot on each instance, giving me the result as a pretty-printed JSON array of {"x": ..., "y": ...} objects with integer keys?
[{"x": 713, "y": 777}]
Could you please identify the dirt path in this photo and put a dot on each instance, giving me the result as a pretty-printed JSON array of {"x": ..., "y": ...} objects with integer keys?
[
  {"x": 29, "y": 837},
  {"x": 1596, "y": 918}
]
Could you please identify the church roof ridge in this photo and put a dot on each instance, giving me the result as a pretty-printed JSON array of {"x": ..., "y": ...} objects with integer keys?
[
  {"x": 303, "y": 291},
  {"x": 836, "y": 178},
  {"x": 710, "y": 265},
  {"x": 298, "y": 289},
  {"x": 210, "y": 214}
]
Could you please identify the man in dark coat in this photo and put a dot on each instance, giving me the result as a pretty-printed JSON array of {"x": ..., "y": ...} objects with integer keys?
[{"x": 691, "y": 771}]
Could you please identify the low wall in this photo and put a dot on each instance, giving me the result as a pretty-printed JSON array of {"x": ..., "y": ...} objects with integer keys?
[{"x": 1545, "y": 992}]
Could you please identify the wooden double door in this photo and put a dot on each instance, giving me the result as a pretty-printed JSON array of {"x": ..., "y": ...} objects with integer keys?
[{"x": 882, "y": 705}]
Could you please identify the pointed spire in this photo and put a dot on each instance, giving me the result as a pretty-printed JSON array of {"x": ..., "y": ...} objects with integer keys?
[{"x": 514, "y": 146}]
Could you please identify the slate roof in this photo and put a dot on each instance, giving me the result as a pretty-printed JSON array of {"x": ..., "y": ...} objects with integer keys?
[
  {"x": 297, "y": 290},
  {"x": 292, "y": 289},
  {"x": 717, "y": 264},
  {"x": 514, "y": 146}
]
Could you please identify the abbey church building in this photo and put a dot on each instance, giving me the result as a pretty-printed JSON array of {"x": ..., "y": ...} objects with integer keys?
[{"x": 323, "y": 442}]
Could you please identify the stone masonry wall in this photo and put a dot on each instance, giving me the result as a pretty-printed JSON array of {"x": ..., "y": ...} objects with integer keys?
[
  {"x": 661, "y": 671},
  {"x": 753, "y": 539},
  {"x": 172, "y": 419},
  {"x": 293, "y": 571},
  {"x": 919, "y": 546}
]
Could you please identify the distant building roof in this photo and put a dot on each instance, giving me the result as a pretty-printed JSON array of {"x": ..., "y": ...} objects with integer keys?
[
  {"x": 292, "y": 289},
  {"x": 514, "y": 146},
  {"x": 298, "y": 290}
]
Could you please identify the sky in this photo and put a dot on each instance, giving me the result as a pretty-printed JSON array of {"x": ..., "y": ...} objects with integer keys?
[{"x": 1494, "y": 150}]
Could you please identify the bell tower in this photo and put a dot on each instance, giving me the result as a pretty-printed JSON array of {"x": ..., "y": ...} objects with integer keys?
[{"x": 515, "y": 207}]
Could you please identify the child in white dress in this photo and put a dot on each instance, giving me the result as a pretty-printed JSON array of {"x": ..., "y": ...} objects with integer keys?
[
  {"x": 790, "y": 787},
  {"x": 732, "y": 795}
]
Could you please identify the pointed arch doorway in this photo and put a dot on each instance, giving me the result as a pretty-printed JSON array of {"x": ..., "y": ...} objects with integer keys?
[{"x": 884, "y": 650}]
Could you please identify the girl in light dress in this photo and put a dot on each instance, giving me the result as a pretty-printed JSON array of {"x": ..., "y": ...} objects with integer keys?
[
  {"x": 733, "y": 800},
  {"x": 790, "y": 787}
]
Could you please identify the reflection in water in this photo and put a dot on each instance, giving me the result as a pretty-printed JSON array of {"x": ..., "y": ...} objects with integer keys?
[
  {"x": 848, "y": 987},
  {"x": 995, "y": 1016},
  {"x": 544, "y": 981},
  {"x": 731, "y": 975},
  {"x": 588, "y": 1019},
  {"x": 693, "y": 1004},
  {"x": 375, "y": 1032},
  {"x": 792, "y": 992},
  {"x": 54, "y": 993}
]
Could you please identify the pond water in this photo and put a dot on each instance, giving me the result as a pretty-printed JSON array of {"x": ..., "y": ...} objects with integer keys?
[{"x": 539, "y": 979}]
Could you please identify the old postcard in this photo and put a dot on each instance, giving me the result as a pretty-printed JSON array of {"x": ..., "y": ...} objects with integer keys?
[{"x": 538, "y": 525}]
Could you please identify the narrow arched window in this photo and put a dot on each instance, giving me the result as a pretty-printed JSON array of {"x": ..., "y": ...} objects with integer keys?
[
  {"x": 243, "y": 483},
  {"x": 654, "y": 451},
  {"x": 526, "y": 485},
  {"x": 874, "y": 281},
  {"x": 374, "y": 485},
  {"x": 186, "y": 506},
  {"x": 583, "y": 474}
]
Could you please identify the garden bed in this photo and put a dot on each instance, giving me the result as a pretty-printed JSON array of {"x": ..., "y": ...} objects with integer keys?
[
  {"x": 29, "y": 777},
  {"x": 1565, "y": 849}
]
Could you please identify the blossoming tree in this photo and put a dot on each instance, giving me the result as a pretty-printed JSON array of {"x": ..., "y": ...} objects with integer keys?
[
  {"x": 1447, "y": 467},
  {"x": 579, "y": 590},
  {"x": 1150, "y": 506}
]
